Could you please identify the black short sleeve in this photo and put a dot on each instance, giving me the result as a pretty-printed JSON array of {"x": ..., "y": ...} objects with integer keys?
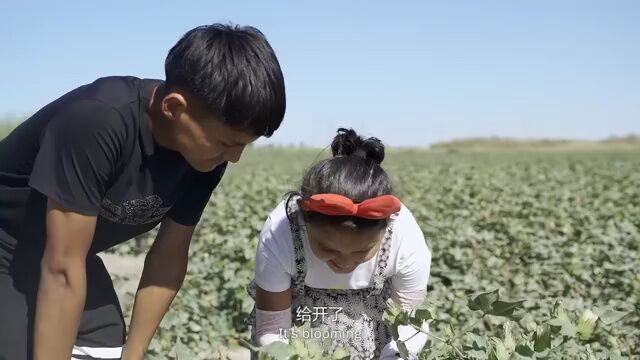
[
  {"x": 188, "y": 208},
  {"x": 78, "y": 155}
]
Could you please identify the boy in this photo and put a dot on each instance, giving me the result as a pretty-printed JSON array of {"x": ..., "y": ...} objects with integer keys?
[{"x": 109, "y": 161}]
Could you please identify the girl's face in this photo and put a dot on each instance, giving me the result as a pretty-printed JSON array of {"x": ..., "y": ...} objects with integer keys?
[{"x": 342, "y": 248}]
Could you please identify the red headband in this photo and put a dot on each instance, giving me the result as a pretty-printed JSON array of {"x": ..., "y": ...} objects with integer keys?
[{"x": 376, "y": 208}]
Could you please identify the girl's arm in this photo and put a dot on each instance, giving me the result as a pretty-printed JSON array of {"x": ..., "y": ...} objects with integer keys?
[
  {"x": 273, "y": 315},
  {"x": 409, "y": 285},
  {"x": 274, "y": 262},
  {"x": 409, "y": 300}
]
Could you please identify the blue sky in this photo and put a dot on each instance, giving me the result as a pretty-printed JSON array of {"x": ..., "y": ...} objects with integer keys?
[{"x": 408, "y": 72}]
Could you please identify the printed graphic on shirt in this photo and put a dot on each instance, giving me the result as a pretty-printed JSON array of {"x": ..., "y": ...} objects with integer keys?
[{"x": 136, "y": 211}]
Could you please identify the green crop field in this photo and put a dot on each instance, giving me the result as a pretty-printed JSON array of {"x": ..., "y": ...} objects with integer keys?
[{"x": 539, "y": 226}]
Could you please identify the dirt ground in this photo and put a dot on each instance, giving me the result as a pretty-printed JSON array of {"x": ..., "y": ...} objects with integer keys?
[{"x": 125, "y": 272}]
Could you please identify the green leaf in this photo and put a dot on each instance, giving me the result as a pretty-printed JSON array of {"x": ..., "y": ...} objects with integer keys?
[
  {"x": 392, "y": 318},
  {"x": 506, "y": 308},
  {"x": 313, "y": 347},
  {"x": 525, "y": 350},
  {"x": 402, "y": 348},
  {"x": 403, "y": 318},
  {"x": 278, "y": 350},
  {"x": 440, "y": 352},
  {"x": 182, "y": 353},
  {"x": 608, "y": 315},
  {"x": 448, "y": 330},
  {"x": 557, "y": 305},
  {"x": 392, "y": 310},
  {"x": 393, "y": 329},
  {"x": 615, "y": 355},
  {"x": 484, "y": 301},
  {"x": 542, "y": 338},
  {"x": 475, "y": 346},
  {"x": 490, "y": 304},
  {"x": 568, "y": 329},
  {"x": 297, "y": 346},
  {"x": 476, "y": 341},
  {"x": 415, "y": 322},
  {"x": 556, "y": 322},
  {"x": 563, "y": 314},
  {"x": 562, "y": 323},
  {"x": 422, "y": 314}
]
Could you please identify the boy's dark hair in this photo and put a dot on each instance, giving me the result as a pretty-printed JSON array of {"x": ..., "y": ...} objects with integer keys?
[
  {"x": 354, "y": 171},
  {"x": 234, "y": 71}
]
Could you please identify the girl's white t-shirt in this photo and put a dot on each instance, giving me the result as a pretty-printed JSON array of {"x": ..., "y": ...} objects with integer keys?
[{"x": 409, "y": 258}]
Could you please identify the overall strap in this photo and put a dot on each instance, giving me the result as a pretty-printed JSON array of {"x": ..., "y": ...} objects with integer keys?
[
  {"x": 297, "y": 229},
  {"x": 377, "y": 279}
]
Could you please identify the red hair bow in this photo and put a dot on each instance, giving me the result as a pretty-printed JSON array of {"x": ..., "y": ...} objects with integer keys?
[{"x": 376, "y": 208}]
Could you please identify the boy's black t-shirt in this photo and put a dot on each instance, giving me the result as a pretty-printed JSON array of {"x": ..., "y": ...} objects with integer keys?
[{"x": 93, "y": 151}]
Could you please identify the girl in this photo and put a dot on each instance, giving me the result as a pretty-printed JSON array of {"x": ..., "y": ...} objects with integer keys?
[{"x": 332, "y": 254}]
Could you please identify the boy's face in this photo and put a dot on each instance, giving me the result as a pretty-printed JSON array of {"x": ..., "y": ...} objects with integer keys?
[
  {"x": 342, "y": 248},
  {"x": 202, "y": 138}
]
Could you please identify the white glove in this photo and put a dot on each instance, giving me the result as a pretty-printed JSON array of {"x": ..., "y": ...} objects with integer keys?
[
  {"x": 269, "y": 325},
  {"x": 390, "y": 352}
]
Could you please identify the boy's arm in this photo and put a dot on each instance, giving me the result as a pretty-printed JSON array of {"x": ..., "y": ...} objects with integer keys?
[
  {"x": 164, "y": 270},
  {"x": 78, "y": 156},
  {"x": 62, "y": 289},
  {"x": 166, "y": 263}
]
